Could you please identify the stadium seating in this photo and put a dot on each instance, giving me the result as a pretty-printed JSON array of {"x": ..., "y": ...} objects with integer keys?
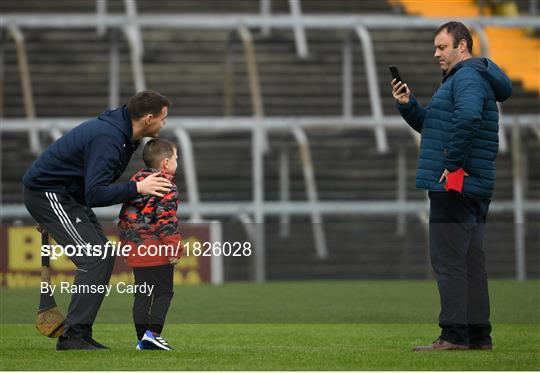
[
  {"x": 69, "y": 72},
  {"x": 512, "y": 48}
]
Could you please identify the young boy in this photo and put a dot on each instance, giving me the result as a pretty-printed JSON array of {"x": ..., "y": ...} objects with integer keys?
[{"x": 151, "y": 220}]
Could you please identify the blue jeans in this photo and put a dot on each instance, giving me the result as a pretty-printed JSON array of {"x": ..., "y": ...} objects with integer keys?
[{"x": 456, "y": 243}]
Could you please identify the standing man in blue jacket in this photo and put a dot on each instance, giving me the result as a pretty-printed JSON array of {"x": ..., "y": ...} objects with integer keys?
[
  {"x": 459, "y": 129},
  {"x": 76, "y": 173}
]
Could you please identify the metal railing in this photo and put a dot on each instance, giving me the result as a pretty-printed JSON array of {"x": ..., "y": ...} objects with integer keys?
[
  {"x": 26, "y": 85},
  {"x": 259, "y": 144},
  {"x": 373, "y": 85},
  {"x": 190, "y": 172},
  {"x": 254, "y": 21},
  {"x": 299, "y": 32},
  {"x": 132, "y": 31},
  {"x": 299, "y": 135}
]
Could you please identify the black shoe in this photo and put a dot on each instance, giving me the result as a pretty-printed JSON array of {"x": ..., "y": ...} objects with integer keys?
[
  {"x": 441, "y": 345},
  {"x": 73, "y": 343},
  {"x": 477, "y": 346},
  {"x": 95, "y": 343}
]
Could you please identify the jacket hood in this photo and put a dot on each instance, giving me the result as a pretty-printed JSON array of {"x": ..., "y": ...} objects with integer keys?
[
  {"x": 501, "y": 84},
  {"x": 119, "y": 118}
]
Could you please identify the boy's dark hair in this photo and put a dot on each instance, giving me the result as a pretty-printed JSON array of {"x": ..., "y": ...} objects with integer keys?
[
  {"x": 459, "y": 32},
  {"x": 157, "y": 149},
  {"x": 147, "y": 102}
]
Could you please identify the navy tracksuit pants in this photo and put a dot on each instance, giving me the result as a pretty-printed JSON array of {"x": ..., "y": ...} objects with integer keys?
[{"x": 71, "y": 223}]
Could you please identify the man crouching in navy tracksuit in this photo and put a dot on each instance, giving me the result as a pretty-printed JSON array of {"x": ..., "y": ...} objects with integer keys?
[
  {"x": 459, "y": 145},
  {"x": 76, "y": 173}
]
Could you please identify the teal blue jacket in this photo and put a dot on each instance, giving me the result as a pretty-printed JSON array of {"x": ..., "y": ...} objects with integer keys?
[{"x": 460, "y": 126}]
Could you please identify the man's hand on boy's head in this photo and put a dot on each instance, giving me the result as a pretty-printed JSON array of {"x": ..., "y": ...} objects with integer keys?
[{"x": 155, "y": 185}]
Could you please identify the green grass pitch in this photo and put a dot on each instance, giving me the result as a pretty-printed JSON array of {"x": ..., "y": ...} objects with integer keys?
[{"x": 320, "y": 325}]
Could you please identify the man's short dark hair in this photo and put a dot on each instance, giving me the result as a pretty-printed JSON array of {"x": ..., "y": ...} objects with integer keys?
[
  {"x": 459, "y": 32},
  {"x": 147, "y": 102},
  {"x": 156, "y": 150}
]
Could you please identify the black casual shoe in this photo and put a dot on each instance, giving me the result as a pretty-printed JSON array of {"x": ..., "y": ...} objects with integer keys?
[
  {"x": 485, "y": 347},
  {"x": 440, "y": 345},
  {"x": 95, "y": 343},
  {"x": 71, "y": 343}
]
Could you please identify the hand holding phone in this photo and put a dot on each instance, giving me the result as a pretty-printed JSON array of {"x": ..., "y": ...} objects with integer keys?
[
  {"x": 400, "y": 91},
  {"x": 395, "y": 73}
]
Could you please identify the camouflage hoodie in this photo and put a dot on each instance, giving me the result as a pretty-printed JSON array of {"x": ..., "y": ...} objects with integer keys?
[{"x": 150, "y": 220}]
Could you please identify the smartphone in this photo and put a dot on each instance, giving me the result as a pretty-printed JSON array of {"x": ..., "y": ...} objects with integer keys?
[{"x": 395, "y": 73}]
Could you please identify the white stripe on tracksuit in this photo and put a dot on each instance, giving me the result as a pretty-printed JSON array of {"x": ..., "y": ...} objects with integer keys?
[
  {"x": 68, "y": 220},
  {"x": 64, "y": 219}
]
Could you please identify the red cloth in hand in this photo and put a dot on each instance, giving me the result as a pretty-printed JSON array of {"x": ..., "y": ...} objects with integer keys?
[{"x": 454, "y": 180}]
